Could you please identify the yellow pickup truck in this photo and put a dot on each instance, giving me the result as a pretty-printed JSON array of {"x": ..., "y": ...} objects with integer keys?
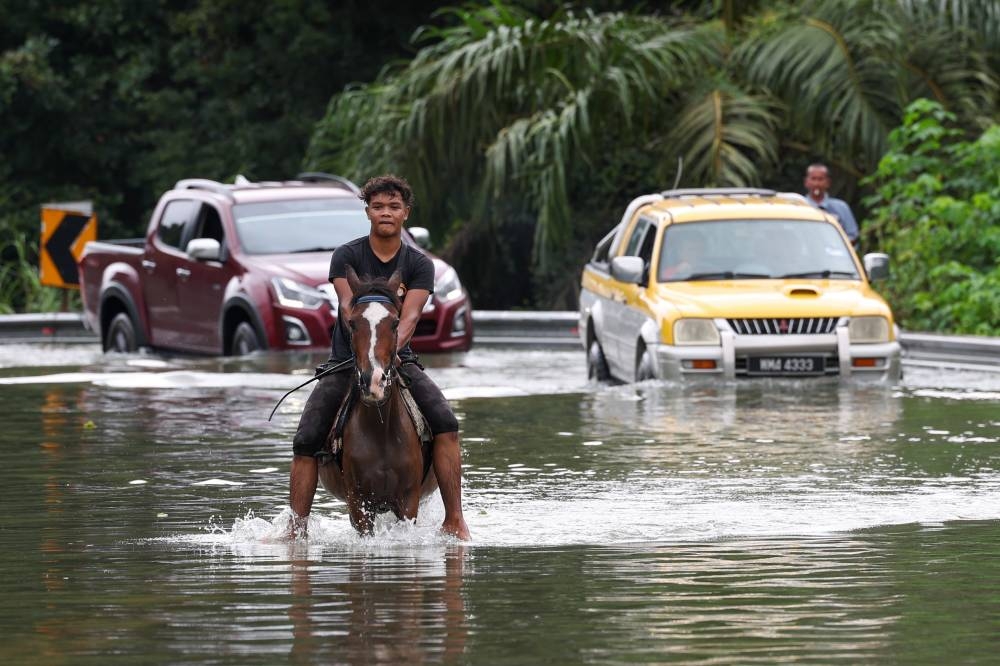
[{"x": 732, "y": 283}]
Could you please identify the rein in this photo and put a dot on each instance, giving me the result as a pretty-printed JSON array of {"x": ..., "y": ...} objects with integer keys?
[
  {"x": 389, "y": 373},
  {"x": 328, "y": 371}
]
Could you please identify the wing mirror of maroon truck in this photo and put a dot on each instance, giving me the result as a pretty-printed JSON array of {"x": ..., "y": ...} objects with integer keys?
[
  {"x": 421, "y": 236},
  {"x": 204, "y": 249}
]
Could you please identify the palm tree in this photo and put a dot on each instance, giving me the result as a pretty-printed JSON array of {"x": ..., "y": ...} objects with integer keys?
[
  {"x": 505, "y": 105},
  {"x": 845, "y": 72}
]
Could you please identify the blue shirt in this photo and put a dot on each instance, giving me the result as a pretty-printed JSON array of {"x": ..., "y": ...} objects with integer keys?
[{"x": 840, "y": 210}]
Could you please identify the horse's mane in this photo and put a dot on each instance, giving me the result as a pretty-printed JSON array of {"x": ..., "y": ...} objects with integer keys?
[{"x": 369, "y": 286}]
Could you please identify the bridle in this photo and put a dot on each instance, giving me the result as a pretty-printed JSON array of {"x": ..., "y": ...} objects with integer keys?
[{"x": 391, "y": 371}]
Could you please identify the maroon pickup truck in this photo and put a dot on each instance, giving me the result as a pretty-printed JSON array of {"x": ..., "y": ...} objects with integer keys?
[{"x": 231, "y": 269}]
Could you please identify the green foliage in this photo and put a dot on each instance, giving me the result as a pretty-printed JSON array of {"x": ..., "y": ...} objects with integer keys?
[
  {"x": 115, "y": 100},
  {"x": 936, "y": 211},
  {"x": 20, "y": 288},
  {"x": 504, "y": 109},
  {"x": 524, "y": 128}
]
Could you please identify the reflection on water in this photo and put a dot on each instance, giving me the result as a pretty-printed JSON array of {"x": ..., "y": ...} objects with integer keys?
[
  {"x": 398, "y": 610},
  {"x": 756, "y": 522}
]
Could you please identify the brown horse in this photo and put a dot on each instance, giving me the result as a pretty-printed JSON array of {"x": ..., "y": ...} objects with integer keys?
[{"x": 383, "y": 465}]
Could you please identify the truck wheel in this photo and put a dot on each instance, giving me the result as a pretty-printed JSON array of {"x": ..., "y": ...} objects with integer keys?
[
  {"x": 597, "y": 365},
  {"x": 645, "y": 369},
  {"x": 121, "y": 335},
  {"x": 245, "y": 340}
]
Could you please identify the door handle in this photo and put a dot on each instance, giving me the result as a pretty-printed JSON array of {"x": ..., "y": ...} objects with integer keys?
[
  {"x": 148, "y": 264},
  {"x": 183, "y": 273}
]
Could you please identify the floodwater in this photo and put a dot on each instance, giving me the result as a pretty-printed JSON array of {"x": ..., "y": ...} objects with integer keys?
[{"x": 757, "y": 522}]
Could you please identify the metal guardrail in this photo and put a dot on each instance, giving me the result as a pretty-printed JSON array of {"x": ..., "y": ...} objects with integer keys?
[
  {"x": 951, "y": 350},
  {"x": 526, "y": 328},
  {"x": 45, "y": 327},
  {"x": 540, "y": 329}
]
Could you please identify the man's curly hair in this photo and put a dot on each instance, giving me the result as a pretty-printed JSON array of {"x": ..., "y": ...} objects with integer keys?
[{"x": 387, "y": 184}]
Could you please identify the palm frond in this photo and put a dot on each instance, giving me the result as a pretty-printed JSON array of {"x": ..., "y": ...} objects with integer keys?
[
  {"x": 727, "y": 136},
  {"x": 829, "y": 65},
  {"x": 976, "y": 18},
  {"x": 846, "y": 71},
  {"x": 510, "y": 100}
]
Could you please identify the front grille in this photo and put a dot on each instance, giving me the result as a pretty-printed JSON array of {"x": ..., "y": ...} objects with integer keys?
[{"x": 784, "y": 325}]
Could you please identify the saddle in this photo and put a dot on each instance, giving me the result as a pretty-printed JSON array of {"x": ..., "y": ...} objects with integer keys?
[{"x": 334, "y": 448}]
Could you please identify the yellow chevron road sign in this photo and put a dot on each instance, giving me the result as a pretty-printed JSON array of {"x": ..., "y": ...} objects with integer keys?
[{"x": 66, "y": 228}]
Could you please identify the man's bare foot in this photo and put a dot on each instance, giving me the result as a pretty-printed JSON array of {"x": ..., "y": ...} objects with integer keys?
[
  {"x": 298, "y": 527},
  {"x": 457, "y": 529}
]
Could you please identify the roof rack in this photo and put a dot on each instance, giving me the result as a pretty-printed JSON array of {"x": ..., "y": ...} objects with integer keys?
[
  {"x": 794, "y": 196},
  {"x": 719, "y": 192},
  {"x": 204, "y": 184},
  {"x": 321, "y": 177}
]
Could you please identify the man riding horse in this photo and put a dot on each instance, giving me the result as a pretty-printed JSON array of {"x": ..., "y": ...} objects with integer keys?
[{"x": 388, "y": 202}]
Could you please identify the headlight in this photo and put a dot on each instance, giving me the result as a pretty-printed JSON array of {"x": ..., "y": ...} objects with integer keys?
[
  {"x": 696, "y": 332},
  {"x": 292, "y": 294},
  {"x": 868, "y": 329},
  {"x": 447, "y": 287},
  {"x": 331, "y": 295}
]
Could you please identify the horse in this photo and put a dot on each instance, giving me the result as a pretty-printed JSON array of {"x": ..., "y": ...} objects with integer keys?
[{"x": 382, "y": 464}]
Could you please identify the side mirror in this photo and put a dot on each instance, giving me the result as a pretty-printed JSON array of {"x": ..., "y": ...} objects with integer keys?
[
  {"x": 204, "y": 249},
  {"x": 421, "y": 236},
  {"x": 876, "y": 266},
  {"x": 628, "y": 269}
]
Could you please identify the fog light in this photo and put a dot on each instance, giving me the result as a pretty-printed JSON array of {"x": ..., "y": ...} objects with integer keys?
[
  {"x": 458, "y": 323},
  {"x": 295, "y": 331},
  {"x": 699, "y": 364}
]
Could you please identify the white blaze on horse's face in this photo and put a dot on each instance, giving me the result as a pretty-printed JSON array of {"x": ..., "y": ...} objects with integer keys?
[{"x": 374, "y": 313}]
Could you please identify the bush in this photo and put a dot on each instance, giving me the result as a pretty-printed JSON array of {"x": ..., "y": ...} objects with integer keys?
[
  {"x": 935, "y": 211},
  {"x": 20, "y": 287}
]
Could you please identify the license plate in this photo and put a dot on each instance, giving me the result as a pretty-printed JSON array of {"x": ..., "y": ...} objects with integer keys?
[{"x": 786, "y": 365}]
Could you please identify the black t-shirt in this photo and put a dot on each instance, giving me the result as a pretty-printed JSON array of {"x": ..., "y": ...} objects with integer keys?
[{"x": 415, "y": 267}]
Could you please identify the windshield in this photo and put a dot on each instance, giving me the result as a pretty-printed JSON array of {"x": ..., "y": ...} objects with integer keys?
[
  {"x": 753, "y": 249},
  {"x": 304, "y": 225}
]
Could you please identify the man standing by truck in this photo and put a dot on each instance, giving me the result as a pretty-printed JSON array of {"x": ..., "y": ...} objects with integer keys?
[
  {"x": 817, "y": 183},
  {"x": 388, "y": 202}
]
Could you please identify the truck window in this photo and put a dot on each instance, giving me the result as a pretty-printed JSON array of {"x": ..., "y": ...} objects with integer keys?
[
  {"x": 637, "y": 237},
  {"x": 646, "y": 248},
  {"x": 175, "y": 218},
  {"x": 299, "y": 225},
  {"x": 603, "y": 247},
  {"x": 209, "y": 224}
]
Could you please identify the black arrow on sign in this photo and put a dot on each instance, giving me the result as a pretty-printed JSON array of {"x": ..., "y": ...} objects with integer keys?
[{"x": 60, "y": 246}]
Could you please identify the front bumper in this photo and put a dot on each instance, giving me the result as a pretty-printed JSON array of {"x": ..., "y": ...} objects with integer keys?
[
  {"x": 732, "y": 358},
  {"x": 444, "y": 327},
  {"x": 295, "y": 328}
]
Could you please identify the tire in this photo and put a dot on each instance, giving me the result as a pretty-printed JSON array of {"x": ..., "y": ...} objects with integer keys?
[
  {"x": 597, "y": 365},
  {"x": 121, "y": 336},
  {"x": 645, "y": 368},
  {"x": 245, "y": 340}
]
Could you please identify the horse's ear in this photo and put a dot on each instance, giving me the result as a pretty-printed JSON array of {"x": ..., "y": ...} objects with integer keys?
[
  {"x": 394, "y": 283},
  {"x": 352, "y": 280}
]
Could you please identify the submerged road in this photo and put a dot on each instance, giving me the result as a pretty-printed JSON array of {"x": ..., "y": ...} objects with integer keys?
[{"x": 752, "y": 522}]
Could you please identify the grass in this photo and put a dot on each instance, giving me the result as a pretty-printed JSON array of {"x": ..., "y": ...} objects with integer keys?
[{"x": 21, "y": 289}]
